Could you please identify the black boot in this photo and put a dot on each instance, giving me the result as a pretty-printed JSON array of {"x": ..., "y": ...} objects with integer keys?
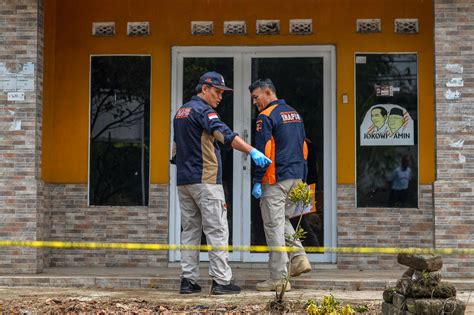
[
  {"x": 220, "y": 289},
  {"x": 187, "y": 287}
]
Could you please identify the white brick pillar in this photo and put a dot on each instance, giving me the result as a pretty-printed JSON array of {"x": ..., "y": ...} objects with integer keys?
[
  {"x": 21, "y": 214},
  {"x": 454, "y": 187}
]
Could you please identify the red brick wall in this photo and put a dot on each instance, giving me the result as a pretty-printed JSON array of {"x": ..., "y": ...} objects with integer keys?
[
  {"x": 72, "y": 220},
  {"x": 381, "y": 227},
  {"x": 21, "y": 216},
  {"x": 454, "y": 187}
]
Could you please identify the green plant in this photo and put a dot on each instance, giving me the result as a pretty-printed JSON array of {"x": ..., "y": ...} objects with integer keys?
[
  {"x": 425, "y": 275},
  {"x": 300, "y": 194},
  {"x": 330, "y": 306},
  {"x": 309, "y": 302},
  {"x": 312, "y": 309},
  {"x": 361, "y": 308}
]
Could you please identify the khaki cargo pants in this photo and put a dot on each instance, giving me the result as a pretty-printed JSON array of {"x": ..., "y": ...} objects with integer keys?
[
  {"x": 203, "y": 209},
  {"x": 276, "y": 209}
]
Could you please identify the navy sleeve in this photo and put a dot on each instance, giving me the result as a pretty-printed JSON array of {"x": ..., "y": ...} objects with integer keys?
[
  {"x": 173, "y": 155},
  {"x": 263, "y": 143},
  {"x": 213, "y": 125}
]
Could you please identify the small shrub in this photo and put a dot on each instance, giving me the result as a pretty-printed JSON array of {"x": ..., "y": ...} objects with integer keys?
[
  {"x": 300, "y": 193},
  {"x": 331, "y": 306}
]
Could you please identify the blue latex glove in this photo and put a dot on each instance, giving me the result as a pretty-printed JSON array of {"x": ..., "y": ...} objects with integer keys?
[
  {"x": 257, "y": 190},
  {"x": 259, "y": 158}
]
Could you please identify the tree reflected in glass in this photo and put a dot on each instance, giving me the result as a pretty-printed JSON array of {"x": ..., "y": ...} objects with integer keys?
[{"x": 119, "y": 130}]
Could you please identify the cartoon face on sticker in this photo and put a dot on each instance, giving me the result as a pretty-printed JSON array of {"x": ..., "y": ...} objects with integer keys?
[
  {"x": 395, "y": 119},
  {"x": 378, "y": 115}
]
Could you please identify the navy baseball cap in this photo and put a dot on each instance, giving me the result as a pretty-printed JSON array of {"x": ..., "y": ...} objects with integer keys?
[{"x": 215, "y": 79}]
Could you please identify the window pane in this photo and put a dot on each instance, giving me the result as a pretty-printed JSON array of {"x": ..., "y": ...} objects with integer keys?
[
  {"x": 387, "y": 135},
  {"x": 119, "y": 130}
]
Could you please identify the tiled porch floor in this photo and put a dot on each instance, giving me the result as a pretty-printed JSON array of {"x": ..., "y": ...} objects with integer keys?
[{"x": 323, "y": 277}]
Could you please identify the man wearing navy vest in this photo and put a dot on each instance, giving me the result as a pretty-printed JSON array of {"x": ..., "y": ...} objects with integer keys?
[
  {"x": 280, "y": 135},
  {"x": 197, "y": 127}
]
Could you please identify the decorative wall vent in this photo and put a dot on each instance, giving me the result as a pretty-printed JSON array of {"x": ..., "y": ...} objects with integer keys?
[
  {"x": 138, "y": 28},
  {"x": 235, "y": 28},
  {"x": 368, "y": 26},
  {"x": 103, "y": 28},
  {"x": 268, "y": 27},
  {"x": 202, "y": 27},
  {"x": 301, "y": 26},
  {"x": 406, "y": 26}
]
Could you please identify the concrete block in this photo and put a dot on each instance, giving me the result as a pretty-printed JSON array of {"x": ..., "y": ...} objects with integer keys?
[
  {"x": 410, "y": 305},
  {"x": 403, "y": 286},
  {"x": 399, "y": 301},
  {"x": 429, "y": 306},
  {"x": 390, "y": 309},
  {"x": 443, "y": 291},
  {"x": 388, "y": 294},
  {"x": 421, "y": 262},
  {"x": 454, "y": 307},
  {"x": 426, "y": 278}
]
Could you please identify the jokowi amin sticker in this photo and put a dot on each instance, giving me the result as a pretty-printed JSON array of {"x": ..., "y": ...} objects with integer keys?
[{"x": 387, "y": 124}]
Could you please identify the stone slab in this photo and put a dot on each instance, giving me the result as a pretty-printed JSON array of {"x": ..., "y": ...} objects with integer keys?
[{"x": 421, "y": 262}]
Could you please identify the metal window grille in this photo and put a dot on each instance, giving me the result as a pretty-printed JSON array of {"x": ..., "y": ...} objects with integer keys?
[
  {"x": 406, "y": 26},
  {"x": 138, "y": 28},
  {"x": 368, "y": 26},
  {"x": 202, "y": 27},
  {"x": 301, "y": 26},
  {"x": 103, "y": 28},
  {"x": 268, "y": 27},
  {"x": 235, "y": 28}
]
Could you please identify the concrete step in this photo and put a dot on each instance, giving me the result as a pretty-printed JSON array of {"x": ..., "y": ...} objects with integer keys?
[{"x": 167, "y": 278}]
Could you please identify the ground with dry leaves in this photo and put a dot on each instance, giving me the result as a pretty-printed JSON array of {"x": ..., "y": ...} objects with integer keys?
[{"x": 95, "y": 301}]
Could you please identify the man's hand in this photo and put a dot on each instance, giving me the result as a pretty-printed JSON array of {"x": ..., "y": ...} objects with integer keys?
[
  {"x": 259, "y": 158},
  {"x": 257, "y": 190}
]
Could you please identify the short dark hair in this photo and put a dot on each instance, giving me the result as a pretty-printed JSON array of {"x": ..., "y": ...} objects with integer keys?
[
  {"x": 383, "y": 111},
  {"x": 262, "y": 84},
  {"x": 198, "y": 88}
]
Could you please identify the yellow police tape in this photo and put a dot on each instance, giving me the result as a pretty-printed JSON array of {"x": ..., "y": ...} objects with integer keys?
[{"x": 257, "y": 248}]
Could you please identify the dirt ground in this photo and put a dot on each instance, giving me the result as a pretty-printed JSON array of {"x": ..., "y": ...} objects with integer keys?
[
  {"x": 100, "y": 301},
  {"x": 95, "y": 301}
]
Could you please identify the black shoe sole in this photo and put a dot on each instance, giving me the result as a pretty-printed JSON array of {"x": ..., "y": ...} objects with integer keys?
[
  {"x": 224, "y": 292},
  {"x": 189, "y": 291}
]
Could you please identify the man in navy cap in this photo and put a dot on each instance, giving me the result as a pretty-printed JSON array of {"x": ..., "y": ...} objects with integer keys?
[{"x": 197, "y": 127}]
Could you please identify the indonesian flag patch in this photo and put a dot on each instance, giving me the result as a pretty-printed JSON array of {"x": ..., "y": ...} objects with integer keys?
[{"x": 212, "y": 116}]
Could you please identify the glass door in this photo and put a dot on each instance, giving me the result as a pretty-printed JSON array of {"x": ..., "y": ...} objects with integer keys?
[
  {"x": 188, "y": 68},
  {"x": 300, "y": 82},
  {"x": 304, "y": 77}
]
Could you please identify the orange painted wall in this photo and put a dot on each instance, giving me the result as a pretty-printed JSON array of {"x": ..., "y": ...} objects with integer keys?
[{"x": 69, "y": 44}]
